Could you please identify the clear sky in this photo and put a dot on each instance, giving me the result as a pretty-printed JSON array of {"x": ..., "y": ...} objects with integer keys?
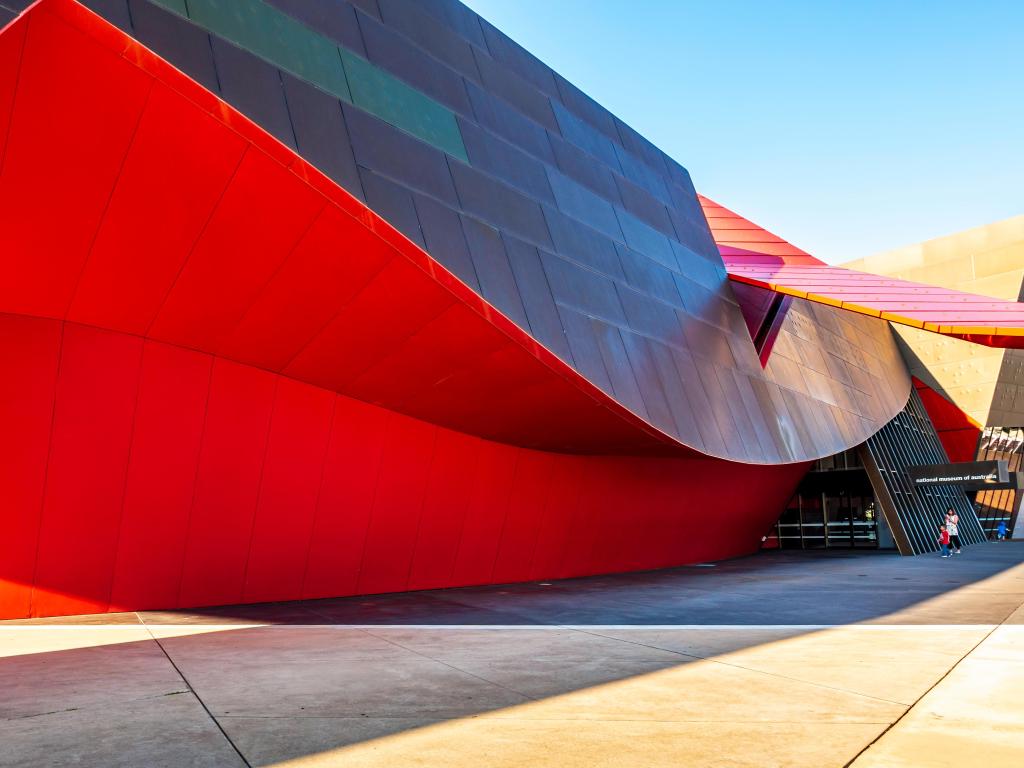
[{"x": 845, "y": 127}]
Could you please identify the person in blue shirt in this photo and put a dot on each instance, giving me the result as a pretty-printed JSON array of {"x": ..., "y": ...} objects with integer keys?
[{"x": 1001, "y": 530}]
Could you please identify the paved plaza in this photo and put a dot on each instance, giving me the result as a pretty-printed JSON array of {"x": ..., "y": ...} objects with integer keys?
[{"x": 780, "y": 659}]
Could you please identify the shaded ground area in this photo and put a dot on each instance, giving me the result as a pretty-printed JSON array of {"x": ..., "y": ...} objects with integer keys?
[
  {"x": 779, "y": 659},
  {"x": 792, "y": 588}
]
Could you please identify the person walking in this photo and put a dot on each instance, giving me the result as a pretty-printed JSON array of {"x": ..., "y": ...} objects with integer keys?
[
  {"x": 944, "y": 540},
  {"x": 952, "y": 527},
  {"x": 1001, "y": 531}
]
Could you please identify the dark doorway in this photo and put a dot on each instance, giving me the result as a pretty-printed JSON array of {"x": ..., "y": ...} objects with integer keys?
[{"x": 834, "y": 508}]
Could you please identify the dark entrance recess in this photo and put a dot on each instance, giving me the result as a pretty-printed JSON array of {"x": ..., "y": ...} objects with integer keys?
[
  {"x": 834, "y": 508},
  {"x": 866, "y": 498}
]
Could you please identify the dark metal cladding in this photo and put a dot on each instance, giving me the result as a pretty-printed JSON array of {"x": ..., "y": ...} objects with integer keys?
[
  {"x": 177, "y": 40},
  {"x": 392, "y": 52},
  {"x": 388, "y": 151},
  {"x": 497, "y": 283},
  {"x": 255, "y": 88},
  {"x": 442, "y": 232},
  {"x": 320, "y": 132},
  {"x": 335, "y": 20}
]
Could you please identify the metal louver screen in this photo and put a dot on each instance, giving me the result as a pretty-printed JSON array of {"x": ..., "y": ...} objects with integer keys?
[{"x": 915, "y": 514}]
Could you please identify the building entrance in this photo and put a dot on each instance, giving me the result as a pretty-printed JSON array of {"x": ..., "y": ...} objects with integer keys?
[{"x": 834, "y": 508}]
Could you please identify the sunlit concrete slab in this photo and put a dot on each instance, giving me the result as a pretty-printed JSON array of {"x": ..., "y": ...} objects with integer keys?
[
  {"x": 972, "y": 717},
  {"x": 18, "y": 641},
  {"x": 885, "y": 663},
  {"x": 599, "y": 744},
  {"x": 776, "y": 660}
]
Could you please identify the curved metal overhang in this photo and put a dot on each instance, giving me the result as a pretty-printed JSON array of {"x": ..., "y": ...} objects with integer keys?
[{"x": 134, "y": 200}]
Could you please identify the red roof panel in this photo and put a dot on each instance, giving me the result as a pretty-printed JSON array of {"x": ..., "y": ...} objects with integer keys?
[{"x": 756, "y": 257}]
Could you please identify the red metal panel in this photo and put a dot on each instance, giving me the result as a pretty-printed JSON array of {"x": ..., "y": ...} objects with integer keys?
[
  {"x": 960, "y": 444},
  {"x": 958, "y": 432},
  {"x": 452, "y": 473},
  {"x": 699, "y": 526},
  {"x": 554, "y": 526},
  {"x": 333, "y": 263},
  {"x": 515, "y": 514},
  {"x": 735, "y": 234},
  {"x": 638, "y": 530},
  {"x": 39, "y": 149},
  {"x": 518, "y": 538},
  {"x": 244, "y": 243},
  {"x": 119, "y": 289},
  {"x": 289, "y": 487},
  {"x": 29, "y": 351},
  {"x": 977, "y": 318},
  {"x": 756, "y": 258},
  {"x": 397, "y": 505},
  {"x": 585, "y": 517},
  {"x": 12, "y": 42},
  {"x": 92, "y": 426},
  {"x": 173, "y": 387},
  {"x": 450, "y": 342},
  {"x": 620, "y": 524},
  {"x": 671, "y": 517},
  {"x": 336, "y": 356},
  {"x": 346, "y": 498},
  {"x": 612, "y": 517},
  {"x": 227, "y": 484},
  {"x": 488, "y": 505}
]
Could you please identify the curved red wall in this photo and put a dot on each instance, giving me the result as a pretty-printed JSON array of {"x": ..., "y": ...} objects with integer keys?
[{"x": 137, "y": 474}]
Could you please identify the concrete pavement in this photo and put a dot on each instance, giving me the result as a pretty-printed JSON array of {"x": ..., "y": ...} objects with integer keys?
[{"x": 775, "y": 660}]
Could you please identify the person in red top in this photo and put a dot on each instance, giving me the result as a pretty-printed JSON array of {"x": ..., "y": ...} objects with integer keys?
[
  {"x": 944, "y": 540},
  {"x": 953, "y": 527}
]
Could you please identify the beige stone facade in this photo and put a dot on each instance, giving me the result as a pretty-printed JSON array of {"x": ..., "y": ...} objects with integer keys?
[{"x": 987, "y": 384}]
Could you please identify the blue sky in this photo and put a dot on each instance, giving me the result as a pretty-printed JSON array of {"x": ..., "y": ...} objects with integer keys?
[{"x": 845, "y": 127}]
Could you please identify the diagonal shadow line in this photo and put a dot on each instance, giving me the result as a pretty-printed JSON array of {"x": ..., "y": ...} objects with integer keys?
[
  {"x": 202, "y": 703},
  {"x": 578, "y": 591},
  {"x": 716, "y": 660}
]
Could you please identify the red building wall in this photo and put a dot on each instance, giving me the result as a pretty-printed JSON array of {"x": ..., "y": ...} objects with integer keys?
[
  {"x": 137, "y": 474},
  {"x": 194, "y": 322},
  {"x": 958, "y": 432}
]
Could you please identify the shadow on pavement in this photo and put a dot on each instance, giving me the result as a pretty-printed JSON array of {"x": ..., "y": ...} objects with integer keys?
[{"x": 325, "y": 675}]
